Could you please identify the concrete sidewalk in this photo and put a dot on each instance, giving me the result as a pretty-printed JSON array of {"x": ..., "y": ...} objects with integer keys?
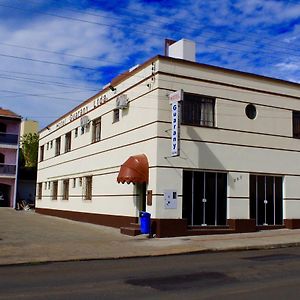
[{"x": 27, "y": 237}]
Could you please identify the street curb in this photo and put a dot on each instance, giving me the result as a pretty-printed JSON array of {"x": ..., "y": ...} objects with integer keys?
[{"x": 185, "y": 252}]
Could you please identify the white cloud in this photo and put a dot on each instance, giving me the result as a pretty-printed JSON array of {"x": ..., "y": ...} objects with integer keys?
[
  {"x": 289, "y": 66},
  {"x": 228, "y": 33},
  {"x": 59, "y": 35}
]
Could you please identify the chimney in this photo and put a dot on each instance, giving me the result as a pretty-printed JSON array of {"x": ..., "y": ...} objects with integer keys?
[{"x": 183, "y": 49}]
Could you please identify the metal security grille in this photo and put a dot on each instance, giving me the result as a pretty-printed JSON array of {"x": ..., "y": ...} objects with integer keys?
[{"x": 198, "y": 110}]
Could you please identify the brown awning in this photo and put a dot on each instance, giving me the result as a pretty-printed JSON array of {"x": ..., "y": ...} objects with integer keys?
[{"x": 135, "y": 169}]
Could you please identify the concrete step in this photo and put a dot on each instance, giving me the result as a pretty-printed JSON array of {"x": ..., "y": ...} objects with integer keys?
[
  {"x": 135, "y": 225},
  {"x": 132, "y": 231},
  {"x": 209, "y": 230}
]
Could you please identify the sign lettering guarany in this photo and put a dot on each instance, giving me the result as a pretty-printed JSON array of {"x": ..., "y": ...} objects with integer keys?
[{"x": 174, "y": 99}]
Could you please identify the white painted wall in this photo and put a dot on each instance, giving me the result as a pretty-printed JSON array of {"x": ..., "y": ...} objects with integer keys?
[{"x": 237, "y": 145}]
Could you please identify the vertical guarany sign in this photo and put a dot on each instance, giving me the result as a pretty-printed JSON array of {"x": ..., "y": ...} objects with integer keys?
[{"x": 174, "y": 99}]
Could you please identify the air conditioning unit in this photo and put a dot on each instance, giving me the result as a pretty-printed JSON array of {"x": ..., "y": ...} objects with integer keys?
[
  {"x": 84, "y": 121},
  {"x": 122, "y": 101}
]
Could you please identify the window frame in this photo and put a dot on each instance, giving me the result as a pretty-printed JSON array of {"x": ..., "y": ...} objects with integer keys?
[
  {"x": 68, "y": 141},
  {"x": 54, "y": 193},
  {"x": 88, "y": 188},
  {"x": 40, "y": 191},
  {"x": 194, "y": 116},
  {"x": 2, "y": 158},
  {"x": 116, "y": 115},
  {"x": 296, "y": 124},
  {"x": 42, "y": 153},
  {"x": 66, "y": 189},
  {"x": 96, "y": 134},
  {"x": 57, "y": 146}
]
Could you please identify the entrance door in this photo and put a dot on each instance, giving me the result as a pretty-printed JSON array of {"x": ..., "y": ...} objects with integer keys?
[
  {"x": 266, "y": 199},
  {"x": 141, "y": 196},
  {"x": 204, "y": 198},
  {"x": 4, "y": 195}
]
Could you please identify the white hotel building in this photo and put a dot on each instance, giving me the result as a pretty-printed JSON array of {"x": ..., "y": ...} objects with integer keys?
[{"x": 237, "y": 167}]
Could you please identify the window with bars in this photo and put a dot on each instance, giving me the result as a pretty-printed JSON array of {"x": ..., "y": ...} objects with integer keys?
[
  {"x": 96, "y": 130},
  {"x": 296, "y": 124},
  {"x": 66, "y": 189},
  {"x": 68, "y": 137},
  {"x": 54, "y": 190},
  {"x": 88, "y": 186},
  {"x": 198, "y": 110}
]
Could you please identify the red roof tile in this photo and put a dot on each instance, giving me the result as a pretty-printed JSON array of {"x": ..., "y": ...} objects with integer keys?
[{"x": 8, "y": 113}]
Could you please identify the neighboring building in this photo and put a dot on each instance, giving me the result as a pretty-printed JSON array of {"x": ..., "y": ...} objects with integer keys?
[
  {"x": 9, "y": 150},
  {"x": 29, "y": 126},
  {"x": 234, "y": 167},
  {"x": 27, "y": 175}
]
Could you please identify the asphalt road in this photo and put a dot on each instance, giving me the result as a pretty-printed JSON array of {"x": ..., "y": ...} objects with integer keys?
[{"x": 264, "y": 274}]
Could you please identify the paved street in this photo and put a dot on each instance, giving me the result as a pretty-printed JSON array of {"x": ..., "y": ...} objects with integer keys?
[
  {"x": 27, "y": 237},
  {"x": 264, "y": 274}
]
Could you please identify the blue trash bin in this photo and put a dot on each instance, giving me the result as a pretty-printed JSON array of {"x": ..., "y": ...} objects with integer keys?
[{"x": 145, "y": 222}]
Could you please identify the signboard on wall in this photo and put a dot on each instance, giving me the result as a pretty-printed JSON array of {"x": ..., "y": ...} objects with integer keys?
[
  {"x": 170, "y": 199},
  {"x": 174, "y": 99}
]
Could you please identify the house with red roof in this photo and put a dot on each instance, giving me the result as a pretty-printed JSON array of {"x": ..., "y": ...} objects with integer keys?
[{"x": 9, "y": 152}]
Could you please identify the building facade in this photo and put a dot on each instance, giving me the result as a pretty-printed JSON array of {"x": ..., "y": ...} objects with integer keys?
[
  {"x": 27, "y": 174},
  {"x": 9, "y": 152},
  {"x": 29, "y": 126},
  {"x": 228, "y": 163}
]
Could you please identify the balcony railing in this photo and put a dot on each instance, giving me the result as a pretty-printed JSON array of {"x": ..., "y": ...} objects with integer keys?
[
  {"x": 7, "y": 169},
  {"x": 7, "y": 138}
]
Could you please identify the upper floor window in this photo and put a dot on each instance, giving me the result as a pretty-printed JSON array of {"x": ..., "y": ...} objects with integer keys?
[
  {"x": 42, "y": 153},
  {"x": 296, "y": 124},
  {"x": 198, "y": 110},
  {"x": 68, "y": 142},
  {"x": 116, "y": 115},
  {"x": 96, "y": 130},
  {"x": 57, "y": 146},
  {"x": 2, "y": 127}
]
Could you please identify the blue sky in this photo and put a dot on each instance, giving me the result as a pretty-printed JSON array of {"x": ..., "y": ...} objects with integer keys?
[{"x": 55, "y": 54}]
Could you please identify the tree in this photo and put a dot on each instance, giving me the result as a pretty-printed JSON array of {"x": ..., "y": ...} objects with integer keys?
[{"x": 30, "y": 146}]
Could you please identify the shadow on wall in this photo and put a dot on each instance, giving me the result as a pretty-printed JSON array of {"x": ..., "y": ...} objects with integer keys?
[{"x": 206, "y": 159}]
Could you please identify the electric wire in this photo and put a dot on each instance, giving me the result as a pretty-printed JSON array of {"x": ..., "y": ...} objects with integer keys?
[
  {"x": 179, "y": 29},
  {"x": 143, "y": 31}
]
